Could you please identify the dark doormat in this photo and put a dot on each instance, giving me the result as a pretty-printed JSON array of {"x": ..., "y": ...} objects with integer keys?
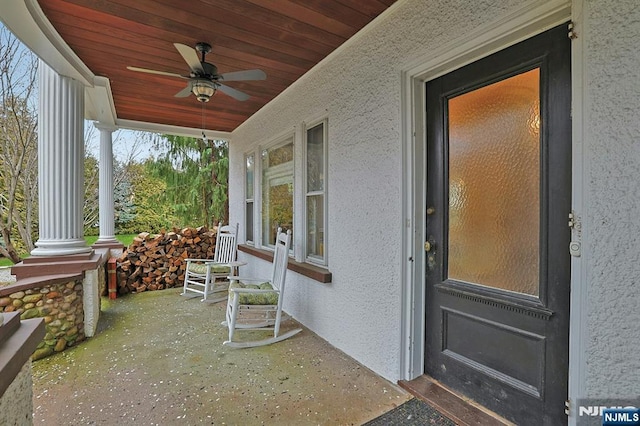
[{"x": 412, "y": 412}]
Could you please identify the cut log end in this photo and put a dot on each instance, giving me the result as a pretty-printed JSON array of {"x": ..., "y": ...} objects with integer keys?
[{"x": 156, "y": 262}]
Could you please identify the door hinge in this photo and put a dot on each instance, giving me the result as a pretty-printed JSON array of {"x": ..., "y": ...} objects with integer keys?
[
  {"x": 571, "y": 34},
  {"x": 572, "y": 220},
  {"x": 575, "y": 223},
  {"x": 567, "y": 407}
]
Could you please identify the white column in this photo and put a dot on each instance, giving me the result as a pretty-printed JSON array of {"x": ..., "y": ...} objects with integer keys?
[
  {"x": 60, "y": 164},
  {"x": 105, "y": 185}
]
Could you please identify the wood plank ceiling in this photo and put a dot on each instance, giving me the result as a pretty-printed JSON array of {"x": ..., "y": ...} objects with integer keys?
[{"x": 284, "y": 38}]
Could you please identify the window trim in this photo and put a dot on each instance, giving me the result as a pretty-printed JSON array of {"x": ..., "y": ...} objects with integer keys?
[
  {"x": 277, "y": 142},
  {"x": 316, "y": 260},
  {"x": 250, "y": 200}
]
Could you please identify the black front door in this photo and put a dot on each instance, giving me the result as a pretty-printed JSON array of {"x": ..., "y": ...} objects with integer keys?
[{"x": 498, "y": 199}]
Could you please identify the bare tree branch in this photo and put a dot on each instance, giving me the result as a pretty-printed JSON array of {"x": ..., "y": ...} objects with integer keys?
[{"x": 18, "y": 145}]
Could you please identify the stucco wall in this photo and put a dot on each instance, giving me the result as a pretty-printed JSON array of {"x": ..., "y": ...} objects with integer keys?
[
  {"x": 358, "y": 90},
  {"x": 612, "y": 190},
  {"x": 16, "y": 405}
]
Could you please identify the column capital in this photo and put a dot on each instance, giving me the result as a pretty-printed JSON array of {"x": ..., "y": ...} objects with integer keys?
[{"x": 105, "y": 126}]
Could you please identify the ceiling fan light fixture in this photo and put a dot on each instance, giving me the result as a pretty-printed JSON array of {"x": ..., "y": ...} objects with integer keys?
[
  {"x": 203, "y": 78},
  {"x": 203, "y": 90}
]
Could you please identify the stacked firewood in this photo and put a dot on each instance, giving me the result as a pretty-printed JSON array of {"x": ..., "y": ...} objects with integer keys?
[{"x": 156, "y": 262}]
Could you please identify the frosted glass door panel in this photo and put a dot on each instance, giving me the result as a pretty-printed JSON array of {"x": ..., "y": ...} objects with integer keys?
[{"x": 494, "y": 184}]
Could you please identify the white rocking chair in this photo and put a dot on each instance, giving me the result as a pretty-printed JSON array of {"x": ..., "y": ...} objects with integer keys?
[
  {"x": 201, "y": 274},
  {"x": 256, "y": 304}
]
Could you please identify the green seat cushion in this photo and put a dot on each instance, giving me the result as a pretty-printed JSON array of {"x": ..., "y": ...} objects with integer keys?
[
  {"x": 201, "y": 268},
  {"x": 270, "y": 298},
  {"x": 220, "y": 269}
]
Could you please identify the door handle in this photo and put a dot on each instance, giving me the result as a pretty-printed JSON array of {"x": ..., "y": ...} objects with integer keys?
[{"x": 429, "y": 245}]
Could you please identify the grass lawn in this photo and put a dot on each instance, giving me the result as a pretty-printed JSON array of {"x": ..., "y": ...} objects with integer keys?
[{"x": 125, "y": 239}]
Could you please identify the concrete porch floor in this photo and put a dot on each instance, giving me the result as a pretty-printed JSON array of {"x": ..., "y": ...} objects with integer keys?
[{"x": 157, "y": 359}]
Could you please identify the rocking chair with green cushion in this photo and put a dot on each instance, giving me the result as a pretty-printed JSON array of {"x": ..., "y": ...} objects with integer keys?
[
  {"x": 256, "y": 304},
  {"x": 202, "y": 275}
]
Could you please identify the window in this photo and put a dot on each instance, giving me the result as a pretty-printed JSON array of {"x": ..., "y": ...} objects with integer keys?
[
  {"x": 248, "y": 197},
  {"x": 274, "y": 187},
  {"x": 315, "y": 192},
  {"x": 277, "y": 190}
]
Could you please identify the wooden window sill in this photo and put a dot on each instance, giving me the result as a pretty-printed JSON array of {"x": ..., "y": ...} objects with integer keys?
[{"x": 308, "y": 270}]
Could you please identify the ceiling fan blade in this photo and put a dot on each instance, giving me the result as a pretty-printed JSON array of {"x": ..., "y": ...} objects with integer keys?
[
  {"x": 184, "y": 92},
  {"x": 244, "y": 75},
  {"x": 236, "y": 94},
  {"x": 168, "y": 74},
  {"x": 190, "y": 57}
]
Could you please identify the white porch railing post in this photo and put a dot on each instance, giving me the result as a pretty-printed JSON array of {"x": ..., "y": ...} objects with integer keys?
[
  {"x": 60, "y": 164},
  {"x": 105, "y": 185}
]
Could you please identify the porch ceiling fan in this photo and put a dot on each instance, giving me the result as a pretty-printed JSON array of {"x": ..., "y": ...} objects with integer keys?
[{"x": 203, "y": 78}]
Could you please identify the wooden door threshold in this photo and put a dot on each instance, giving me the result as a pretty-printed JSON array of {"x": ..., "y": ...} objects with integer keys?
[{"x": 461, "y": 410}]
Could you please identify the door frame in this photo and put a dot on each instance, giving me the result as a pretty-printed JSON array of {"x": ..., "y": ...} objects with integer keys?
[{"x": 526, "y": 22}]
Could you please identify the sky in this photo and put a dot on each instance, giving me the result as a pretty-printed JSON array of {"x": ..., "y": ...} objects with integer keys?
[{"x": 127, "y": 144}]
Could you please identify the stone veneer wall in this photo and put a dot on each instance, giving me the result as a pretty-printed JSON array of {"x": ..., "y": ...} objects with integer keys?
[
  {"x": 16, "y": 404},
  {"x": 59, "y": 303}
]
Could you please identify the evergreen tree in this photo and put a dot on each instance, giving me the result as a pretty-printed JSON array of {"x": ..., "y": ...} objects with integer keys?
[
  {"x": 196, "y": 173},
  {"x": 123, "y": 204},
  {"x": 151, "y": 213}
]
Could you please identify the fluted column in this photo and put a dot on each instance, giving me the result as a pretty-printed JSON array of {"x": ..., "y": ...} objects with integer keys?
[
  {"x": 60, "y": 164},
  {"x": 105, "y": 185}
]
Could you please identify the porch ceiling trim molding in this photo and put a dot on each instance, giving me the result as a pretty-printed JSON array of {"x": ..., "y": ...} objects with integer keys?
[{"x": 172, "y": 130}]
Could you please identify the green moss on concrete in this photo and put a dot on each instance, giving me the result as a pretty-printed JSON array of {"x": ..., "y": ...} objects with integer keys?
[{"x": 158, "y": 358}]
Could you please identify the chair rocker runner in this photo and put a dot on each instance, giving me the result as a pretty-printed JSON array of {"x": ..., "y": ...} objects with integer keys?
[
  {"x": 256, "y": 304},
  {"x": 201, "y": 274}
]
